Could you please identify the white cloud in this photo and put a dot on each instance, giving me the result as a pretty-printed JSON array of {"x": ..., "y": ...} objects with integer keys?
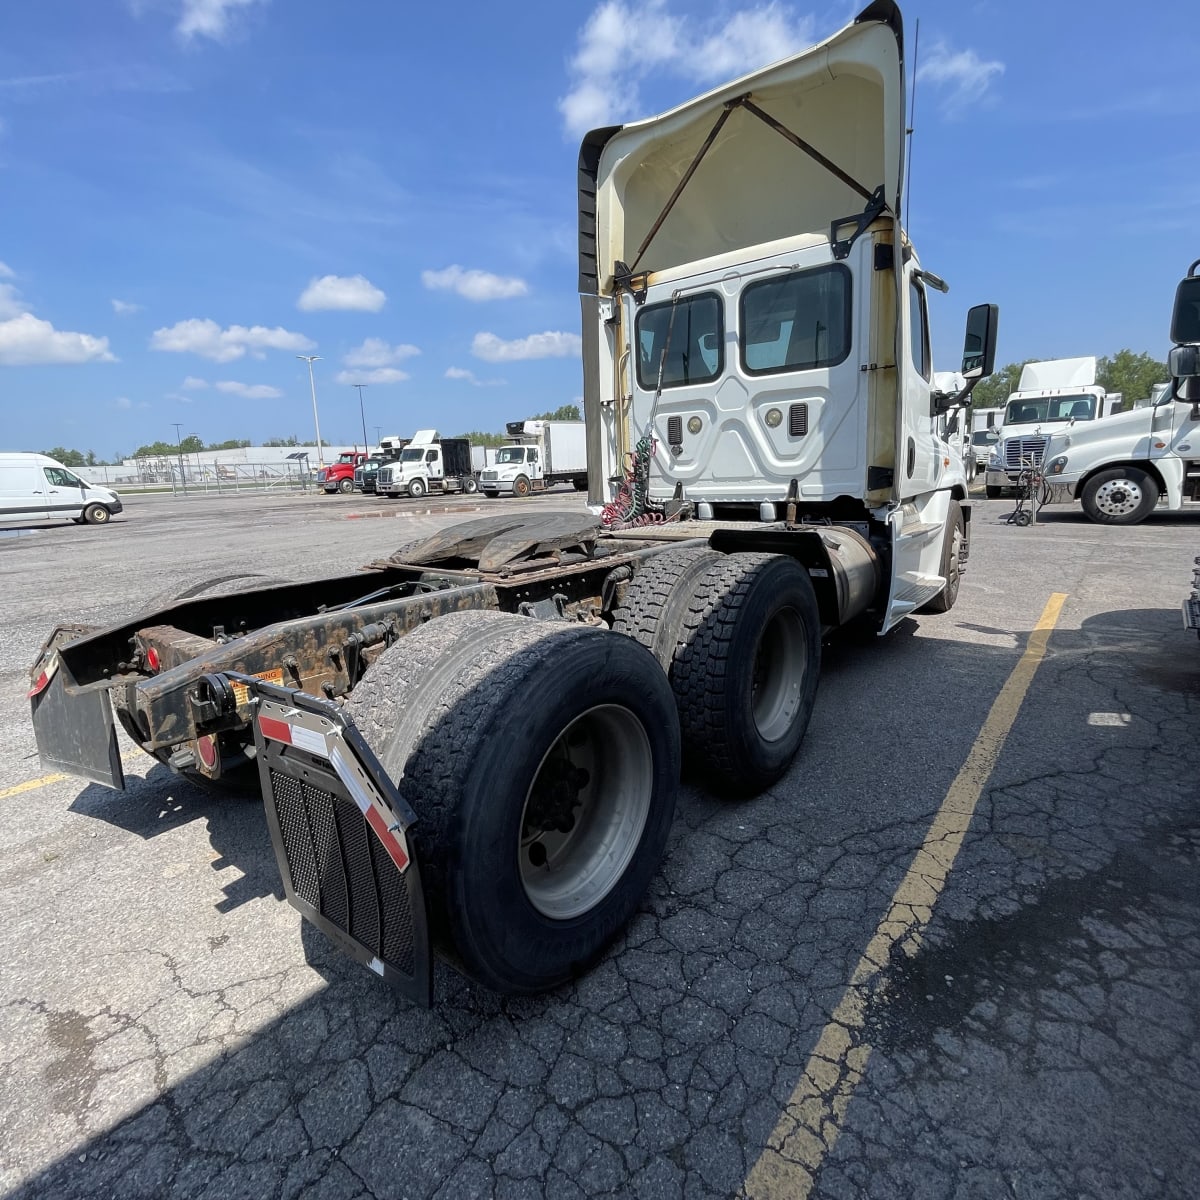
[
  {"x": 966, "y": 76},
  {"x": 27, "y": 341},
  {"x": 349, "y": 293},
  {"x": 123, "y": 308},
  {"x": 123, "y": 402},
  {"x": 206, "y": 338},
  {"x": 470, "y": 377},
  {"x": 208, "y": 18},
  {"x": 537, "y": 345},
  {"x": 249, "y": 391},
  {"x": 375, "y": 352},
  {"x": 473, "y": 284},
  {"x": 6, "y": 272},
  {"x": 623, "y": 43},
  {"x": 11, "y": 304},
  {"x": 378, "y": 375},
  {"x": 192, "y": 384}
]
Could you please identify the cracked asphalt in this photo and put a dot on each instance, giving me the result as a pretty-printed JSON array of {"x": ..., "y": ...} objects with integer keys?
[{"x": 168, "y": 1028}]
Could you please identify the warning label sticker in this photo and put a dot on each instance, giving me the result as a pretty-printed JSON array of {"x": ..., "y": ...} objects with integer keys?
[{"x": 242, "y": 694}]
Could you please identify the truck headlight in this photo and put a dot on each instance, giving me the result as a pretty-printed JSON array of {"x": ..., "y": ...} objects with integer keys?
[
  {"x": 994, "y": 463},
  {"x": 1058, "y": 465}
]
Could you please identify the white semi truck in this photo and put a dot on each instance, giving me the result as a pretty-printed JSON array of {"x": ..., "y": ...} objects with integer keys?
[
  {"x": 540, "y": 454},
  {"x": 474, "y": 746},
  {"x": 1121, "y": 467},
  {"x": 427, "y": 464},
  {"x": 1049, "y": 395}
]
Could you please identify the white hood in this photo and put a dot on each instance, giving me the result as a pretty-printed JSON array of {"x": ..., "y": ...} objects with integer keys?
[{"x": 844, "y": 97}]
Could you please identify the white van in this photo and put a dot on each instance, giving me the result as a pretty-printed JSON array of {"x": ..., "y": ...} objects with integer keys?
[{"x": 34, "y": 486}]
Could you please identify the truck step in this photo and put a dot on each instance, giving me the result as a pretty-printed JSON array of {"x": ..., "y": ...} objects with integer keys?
[
  {"x": 919, "y": 529},
  {"x": 913, "y": 590}
]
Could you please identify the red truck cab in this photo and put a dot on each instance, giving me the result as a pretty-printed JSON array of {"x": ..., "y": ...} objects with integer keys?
[{"x": 339, "y": 476}]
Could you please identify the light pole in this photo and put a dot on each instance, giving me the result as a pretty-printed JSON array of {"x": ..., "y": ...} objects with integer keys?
[
  {"x": 179, "y": 453},
  {"x": 377, "y": 429},
  {"x": 362, "y": 413},
  {"x": 310, "y": 359}
]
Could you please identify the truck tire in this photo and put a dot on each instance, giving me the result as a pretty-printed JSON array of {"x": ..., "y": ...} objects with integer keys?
[
  {"x": 521, "y": 486},
  {"x": 416, "y": 488},
  {"x": 542, "y": 761},
  {"x": 994, "y": 493},
  {"x": 96, "y": 514},
  {"x": 470, "y": 485},
  {"x": 743, "y": 663},
  {"x": 345, "y": 486},
  {"x": 1119, "y": 496},
  {"x": 656, "y": 601},
  {"x": 580, "y": 485},
  {"x": 951, "y": 567}
]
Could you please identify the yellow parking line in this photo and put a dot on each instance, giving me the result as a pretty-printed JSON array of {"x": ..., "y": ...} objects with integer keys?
[
  {"x": 31, "y": 785},
  {"x": 810, "y": 1123}
]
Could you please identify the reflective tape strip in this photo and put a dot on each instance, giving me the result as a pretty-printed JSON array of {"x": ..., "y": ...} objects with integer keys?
[
  {"x": 388, "y": 839},
  {"x": 293, "y": 735},
  {"x": 277, "y": 731}
]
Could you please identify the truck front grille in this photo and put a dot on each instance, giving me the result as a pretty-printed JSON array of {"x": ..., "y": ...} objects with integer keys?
[
  {"x": 1019, "y": 450},
  {"x": 342, "y": 871},
  {"x": 490, "y": 475}
]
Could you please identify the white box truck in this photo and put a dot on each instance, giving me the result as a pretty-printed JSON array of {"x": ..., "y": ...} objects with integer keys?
[{"x": 541, "y": 454}]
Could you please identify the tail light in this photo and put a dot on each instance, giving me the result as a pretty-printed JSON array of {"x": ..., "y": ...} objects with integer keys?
[
  {"x": 152, "y": 659},
  {"x": 42, "y": 682}
]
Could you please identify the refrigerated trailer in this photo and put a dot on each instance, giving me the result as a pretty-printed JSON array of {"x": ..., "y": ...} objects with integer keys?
[
  {"x": 473, "y": 745},
  {"x": 540, "y": 454}
]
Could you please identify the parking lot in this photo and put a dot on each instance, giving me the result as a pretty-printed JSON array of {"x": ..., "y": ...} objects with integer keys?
[{"x": 1019, "y": 776}]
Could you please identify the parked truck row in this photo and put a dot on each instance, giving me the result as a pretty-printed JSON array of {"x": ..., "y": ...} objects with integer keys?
[{"x": 473, "y": 745}]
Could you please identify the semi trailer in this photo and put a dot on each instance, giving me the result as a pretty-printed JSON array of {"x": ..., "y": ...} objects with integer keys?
[{"x": 473, "y": 745}]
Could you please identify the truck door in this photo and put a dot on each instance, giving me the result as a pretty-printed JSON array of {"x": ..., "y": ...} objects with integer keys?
[
  {"x": 535, "y": 463},
  {"x": 433, "y": 465},
  {"x": 920, "y": 465},
  {"x": 1175, "y": 447}
]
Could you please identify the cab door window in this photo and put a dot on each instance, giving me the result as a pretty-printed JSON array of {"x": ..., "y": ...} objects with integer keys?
[
  {"x": 918, "y": 326},
  {"x": 796, "y": 322},
  {"x": 57, "y": 477},
  {"x": 693, "y": 342}
]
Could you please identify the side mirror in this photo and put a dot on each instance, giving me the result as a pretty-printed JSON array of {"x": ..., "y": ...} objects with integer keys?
[
  {"x": 1184, "y": 364},
  {"x": 979, "y": 347},
  {"x": 1185, "y": 316}
]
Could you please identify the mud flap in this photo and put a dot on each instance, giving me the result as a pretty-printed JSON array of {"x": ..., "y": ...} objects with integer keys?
[
  {"x": 339, "y": 829},
  {"x": 75, "y": 733}
]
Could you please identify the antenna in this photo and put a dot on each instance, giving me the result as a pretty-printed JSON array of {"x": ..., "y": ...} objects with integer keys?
[{"x": 912, "y": 109}]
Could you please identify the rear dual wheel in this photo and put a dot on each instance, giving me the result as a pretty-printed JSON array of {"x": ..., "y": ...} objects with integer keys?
[
  {"x": 740, "y": 638},
  {"x": 542, "y": 761}
]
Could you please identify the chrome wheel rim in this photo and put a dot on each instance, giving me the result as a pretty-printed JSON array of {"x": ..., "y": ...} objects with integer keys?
[
  {"x": 779, "y": 667},
  {"x": 1118, "y": 497},
  {"x": 585, "y": 812}
]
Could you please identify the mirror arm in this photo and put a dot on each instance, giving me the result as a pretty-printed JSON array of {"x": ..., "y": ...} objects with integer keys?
[{"x": 944, "y": 401}]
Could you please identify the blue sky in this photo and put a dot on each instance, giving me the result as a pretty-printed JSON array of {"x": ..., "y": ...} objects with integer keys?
[{"x": 193, "y": 192}]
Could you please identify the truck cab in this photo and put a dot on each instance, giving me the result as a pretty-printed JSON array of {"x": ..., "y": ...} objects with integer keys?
[
  {"x": 1049, "y": 395},
  {"x": 516, "y": 469},
  {"x": 338, "y": 476}
]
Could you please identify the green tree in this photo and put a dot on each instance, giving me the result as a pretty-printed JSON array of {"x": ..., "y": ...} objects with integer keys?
[
  {"x": 565, "y": 412},
  {"x": 156, "y": 450},
  {"x": 1133, "y": 375},
  {"x": 287, "y": 441},
  {"x": 477, "y": 438},
  {"x": 68, "y": 458},
  {"x": 192, "y": 444},
  {"x": 229, "y": 444}
]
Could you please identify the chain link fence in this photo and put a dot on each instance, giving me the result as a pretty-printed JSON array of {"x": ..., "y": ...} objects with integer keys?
[{"x": 182, "y": 474}]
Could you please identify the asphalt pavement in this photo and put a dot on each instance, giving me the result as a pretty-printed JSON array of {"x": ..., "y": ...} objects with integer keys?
[{"x": 1017, "y": 778}]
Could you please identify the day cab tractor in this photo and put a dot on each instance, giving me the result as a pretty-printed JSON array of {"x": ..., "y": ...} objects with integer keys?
[{"x": 473, "y": 745}]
